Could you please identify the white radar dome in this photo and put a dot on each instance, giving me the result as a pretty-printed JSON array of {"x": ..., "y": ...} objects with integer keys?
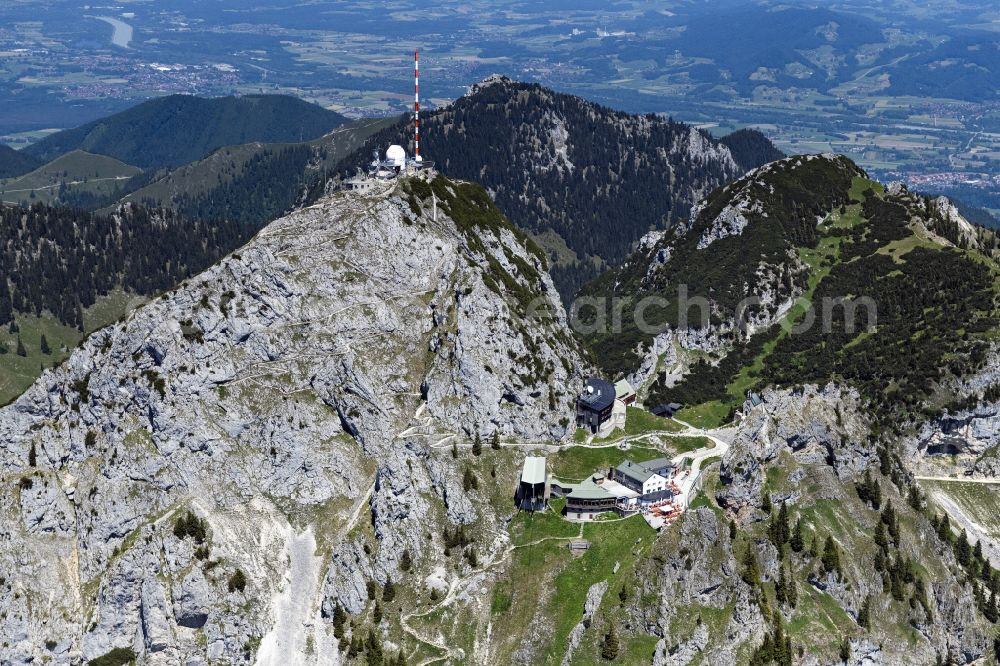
[{"x": 396, "y": 156}]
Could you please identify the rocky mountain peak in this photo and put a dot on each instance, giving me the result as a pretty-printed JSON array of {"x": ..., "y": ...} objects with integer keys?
[
  {"x": 302, "y": 382},
  {"x": 586, "y": 180}
]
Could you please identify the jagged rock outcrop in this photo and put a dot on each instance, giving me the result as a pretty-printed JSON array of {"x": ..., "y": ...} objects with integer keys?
[
  {"x": 817, "y": 424},
  {"x": 285, "y": 397},
  {"x": 969, "y": 431},
  {"x": 806, "y": 448},
  {"x": 594, "y": 596}
]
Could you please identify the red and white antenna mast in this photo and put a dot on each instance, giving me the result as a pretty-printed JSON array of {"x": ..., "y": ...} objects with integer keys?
[{"x": 416, "y": 105}]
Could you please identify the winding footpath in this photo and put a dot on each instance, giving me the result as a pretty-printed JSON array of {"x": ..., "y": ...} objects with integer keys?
[
  {"x": 697, "y": 457},
  {"x": 988, "y": 480},
  {"x": 452, "y": 595}
]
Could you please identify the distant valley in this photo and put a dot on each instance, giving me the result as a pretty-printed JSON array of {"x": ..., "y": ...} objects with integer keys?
[{"x": 907, "y": 89}]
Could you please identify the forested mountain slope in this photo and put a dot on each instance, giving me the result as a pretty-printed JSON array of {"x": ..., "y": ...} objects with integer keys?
[
  {"x": 177, "y": 129},
  {"x": 811, "y": 228},
  {"x": 813, "y": 539},
  {"x": 60, "y": 260},
  {"x": 15, "y": 162},
  {"x": 586, "y": 180}
]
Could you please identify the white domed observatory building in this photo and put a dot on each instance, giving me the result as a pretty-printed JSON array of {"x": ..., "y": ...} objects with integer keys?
[{"x": 395, "y": 158}]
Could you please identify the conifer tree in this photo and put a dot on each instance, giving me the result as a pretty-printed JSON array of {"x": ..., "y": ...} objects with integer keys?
[
  {"x": 373, "y": 649},
  {"x": 779, "y": 530},
  {"x": 963, "y": 551},
  {"x": 495, "y": 440},
  {"x": 879, "y": 562},
  {"x": 845, "y": 650},
  {"x": 780, "y": 587},
  {"x": 610, "y": 647},
  {"x": 406, "y": 561},
  {"x": 732, "y": 530},
  {"x": 944, "y": 529},
  {"x": 765, "y": 504},
  {"x": 751, "y": 568},
  {"x": 797, "y": 541},
  {"x": 883, "y": 461},
  {"x": 477, "y": 446},
  {"x": 469, "y": 480},
  {"x": 876, "y": 494},
  {"x": 44, "y": 346},
  {"x": 389, "y": 591},
  {"x": 356, "y": 646},
  {"x": 831, "y": 556},
  {"x": 339, "y": 616},
  {"x": 990, "y": 610},
  {"x": 864, "y": 614},
  {"x": 21, "y": 351},
  {"x": 880, "y": 538},
  {"x": 792, "y": 592},
  {"x": 32, "y": 456}
]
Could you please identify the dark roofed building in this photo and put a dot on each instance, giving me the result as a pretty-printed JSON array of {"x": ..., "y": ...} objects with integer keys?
[
  {"x": 595, "y": 404},
  {"x": 666, "y": 410}
]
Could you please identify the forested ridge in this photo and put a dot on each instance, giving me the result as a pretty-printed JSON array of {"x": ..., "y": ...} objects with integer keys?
[
  {"x": 928, "y": 315},
  {"x": 269, "y": 185},
  {"x": 177, "y": 129},
  {"x": 597, "y": 177},
  {"x": 788, "y": 198},
  {"x": 61, "y": 259},
  {"x": 15, "y": 162}
]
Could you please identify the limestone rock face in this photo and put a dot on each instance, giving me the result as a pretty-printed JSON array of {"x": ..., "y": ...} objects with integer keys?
[
  {"x": 294, "y": 392},
  {"x": 817, "y": 423},
  {"x": 594, "y": 596}
]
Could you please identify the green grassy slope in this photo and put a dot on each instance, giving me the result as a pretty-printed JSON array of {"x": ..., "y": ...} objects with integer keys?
[
  {"x": 18, "y": 372},
  {"x": 77, "y": 171}
]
